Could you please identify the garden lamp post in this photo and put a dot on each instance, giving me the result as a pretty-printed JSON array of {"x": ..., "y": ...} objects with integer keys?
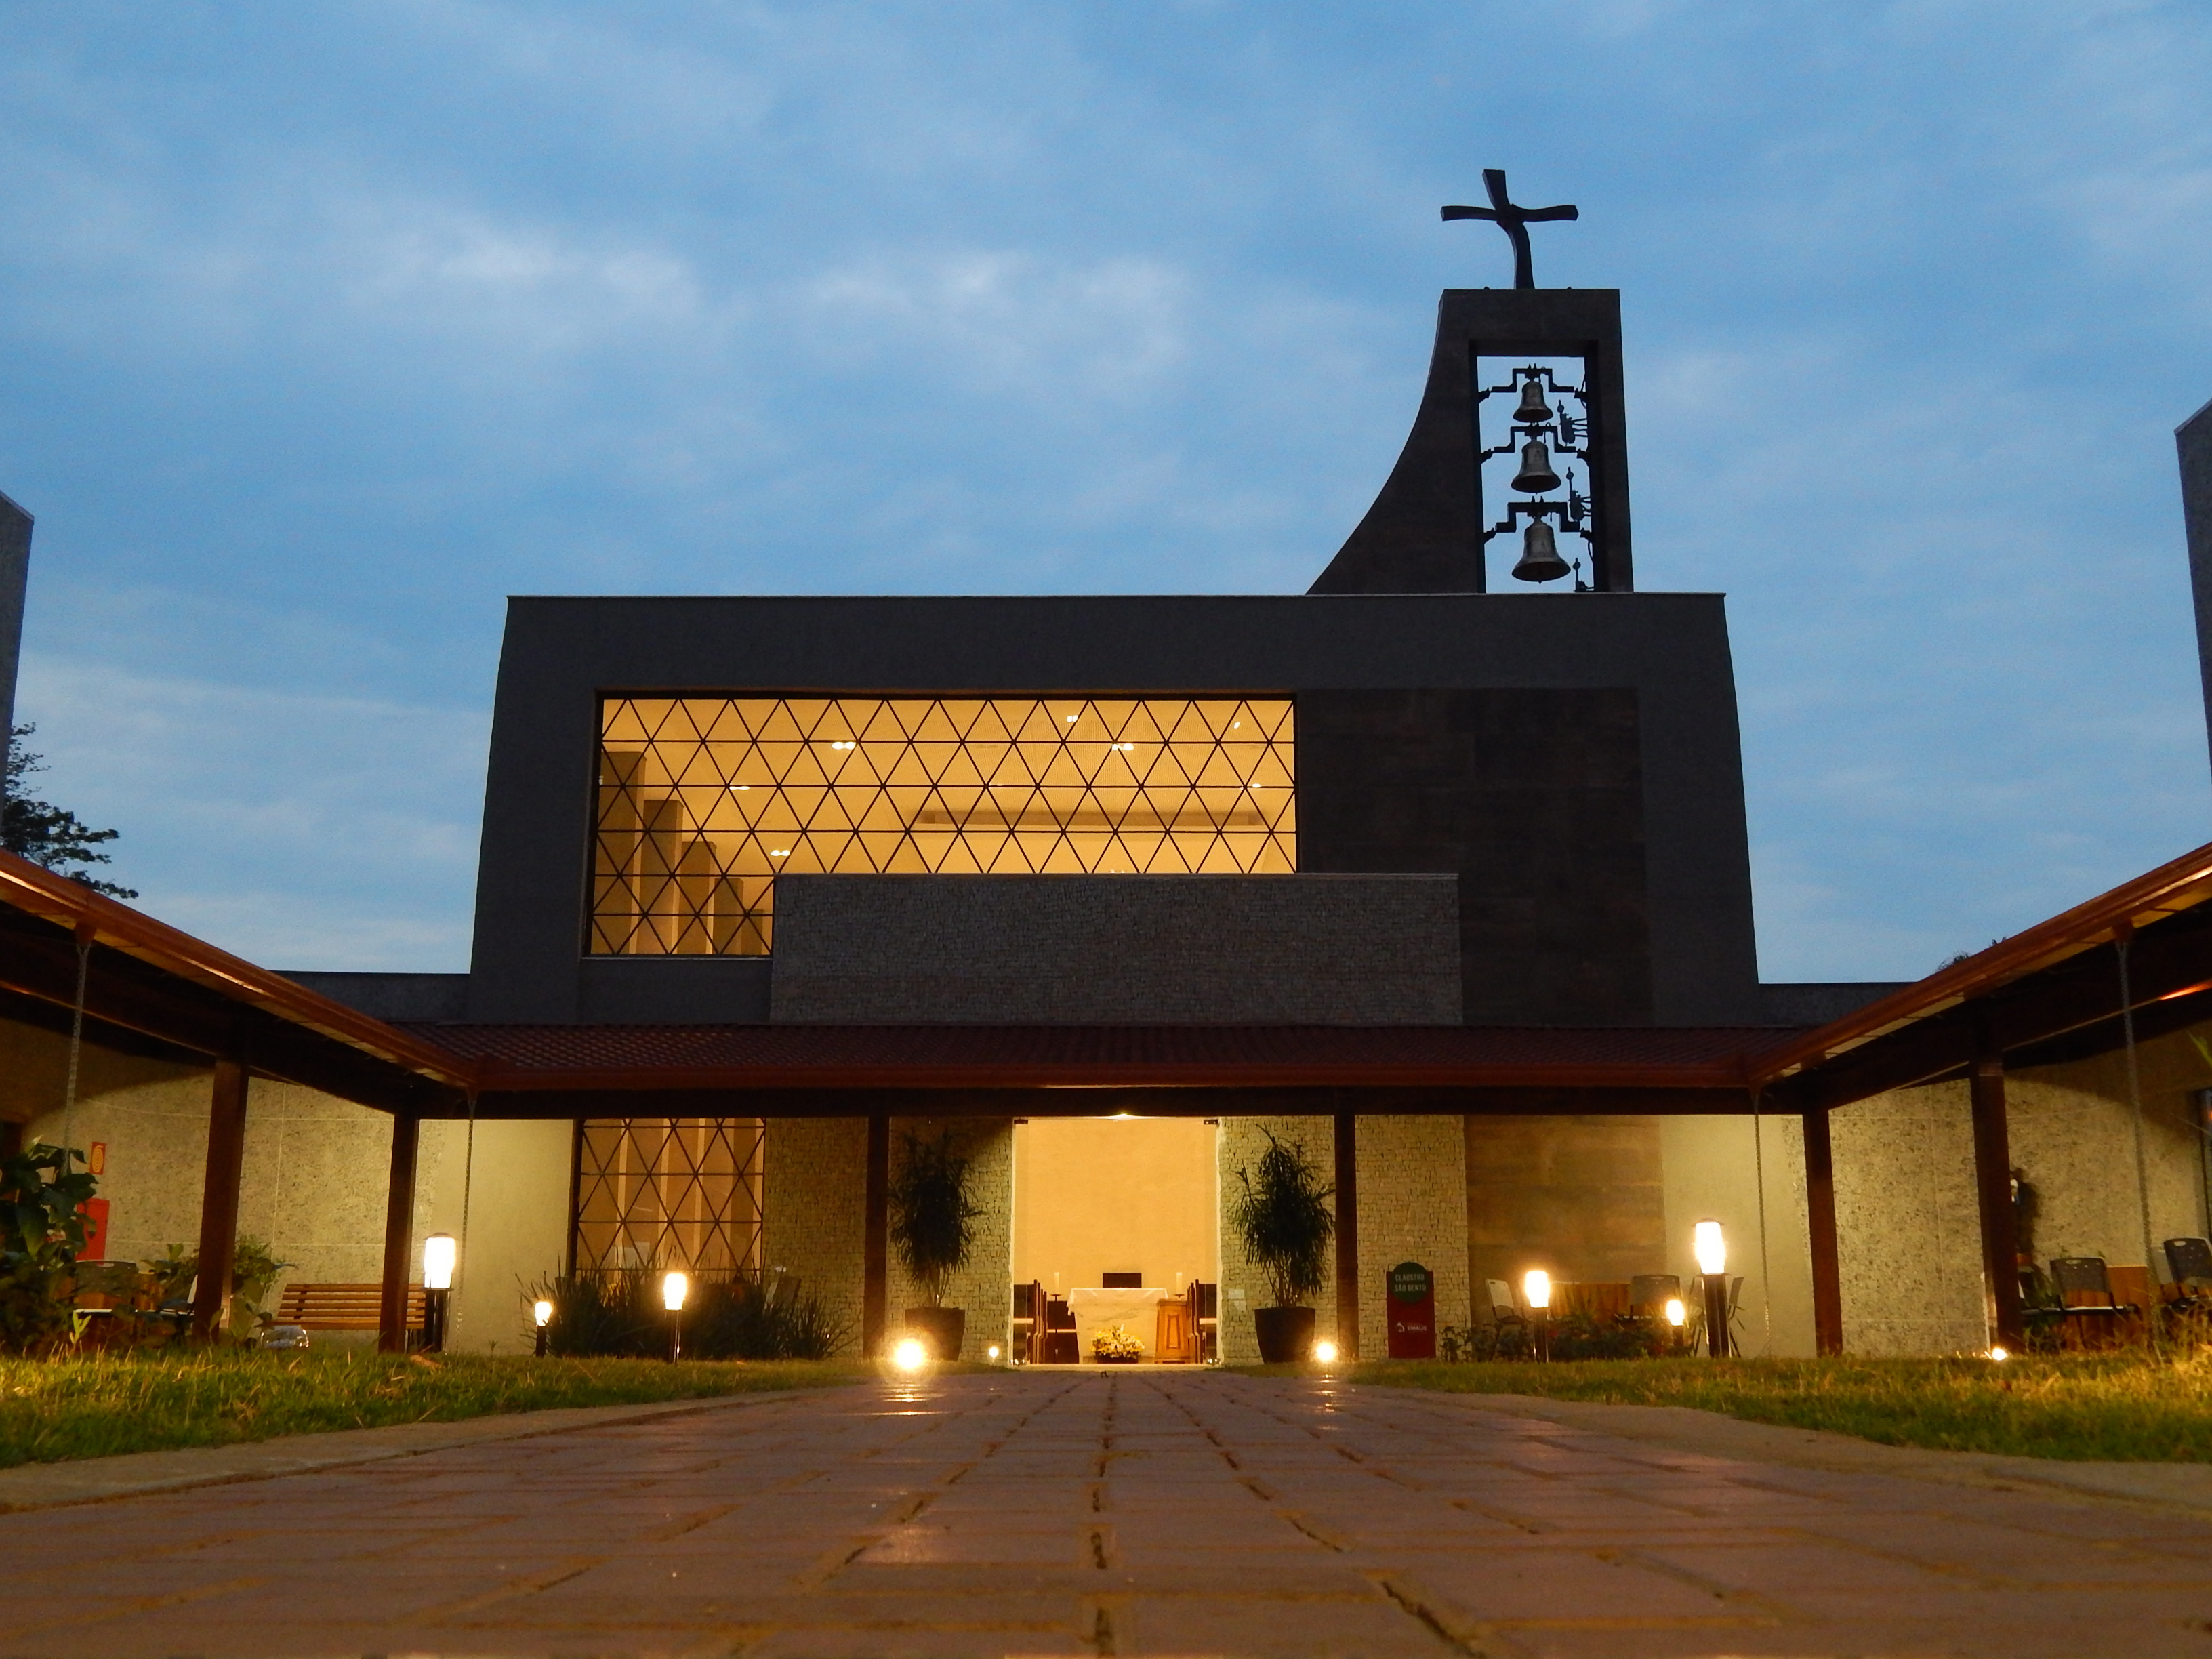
[
  {"x": 1711, "y": 1249},
  {"x": 542, "y": 1312},
  {"x": 674, "y": 1287},
  {"x": 1536, "y": 1291},
  {"x": 440, "y": 1253}
]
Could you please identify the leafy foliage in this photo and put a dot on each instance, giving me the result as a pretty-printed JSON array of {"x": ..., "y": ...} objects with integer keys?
[
  {"x": 51, "y": 837},
  {"x": 620, "y": 1314},
  {"x": 932, "y": 1217},
  {"x": 41, "y": 1231},
  {"x": 253, "y": 1269},
  {"x": 1284, "y": 1221}
]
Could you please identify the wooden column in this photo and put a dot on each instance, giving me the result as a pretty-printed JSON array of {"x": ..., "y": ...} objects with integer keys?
[
  {"x": 398, "y": 1234},
  {"x": 1347, "y": 1236},
  {"x": 876, "y": 1247},
  {"x": 226, "y": 1160},
  {"x": 1993, "y": 1189},
  {"x": 1821, "y": 1214}
]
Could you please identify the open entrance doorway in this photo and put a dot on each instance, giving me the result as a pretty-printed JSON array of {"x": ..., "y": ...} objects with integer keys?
[{"x": 1117, "y": 1236}]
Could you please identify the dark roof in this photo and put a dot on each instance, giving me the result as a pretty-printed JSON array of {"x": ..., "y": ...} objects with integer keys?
[{"x": 1033, "y": 1056}]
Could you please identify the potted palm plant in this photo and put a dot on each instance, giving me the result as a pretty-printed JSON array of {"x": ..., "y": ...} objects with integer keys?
[
  {"x": 1284, "y": 1219},
  {"x": 932, "y": 1226}
]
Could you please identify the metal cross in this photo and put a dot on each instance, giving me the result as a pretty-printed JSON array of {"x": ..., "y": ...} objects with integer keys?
[{"x": 1513, "y": 221}]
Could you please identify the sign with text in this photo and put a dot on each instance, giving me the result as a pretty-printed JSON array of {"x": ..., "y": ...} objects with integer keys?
[{"x": 1411, "y": 1307}]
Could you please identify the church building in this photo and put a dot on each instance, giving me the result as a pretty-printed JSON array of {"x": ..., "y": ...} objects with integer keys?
[{"x": 1437, "y": 872}]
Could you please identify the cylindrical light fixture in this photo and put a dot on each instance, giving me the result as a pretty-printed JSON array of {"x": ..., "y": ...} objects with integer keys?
[
  {"x": 1676, "y": 1313},
  {"x": 439, "y": 1253},
  {"x": 1711, "y": 1248},
  {"x": 542, "y": 1312},
  {"x": 1536, "y": 1291},
  {"x": 675, "y": 1285}
]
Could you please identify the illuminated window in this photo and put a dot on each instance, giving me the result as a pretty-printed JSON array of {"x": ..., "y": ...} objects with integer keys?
[
  {"x": 654, "y": 1192},
  {"x": 704, "y": 801}
]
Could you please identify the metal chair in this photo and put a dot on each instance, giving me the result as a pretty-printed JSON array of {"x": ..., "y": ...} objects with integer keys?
[
  {"x": 1650, "y": 1293},
  {"x": 2085, "y": 1290},
  {"x": 1504, "y": 1307},
  {"x": 2190, "y": 1259}
]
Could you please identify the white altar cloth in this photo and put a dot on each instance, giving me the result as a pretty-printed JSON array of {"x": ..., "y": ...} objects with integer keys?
[{"x": 1096, "y": 1306}]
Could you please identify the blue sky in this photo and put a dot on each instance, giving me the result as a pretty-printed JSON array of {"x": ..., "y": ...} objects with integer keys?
[{"x": 323, "y": 327}]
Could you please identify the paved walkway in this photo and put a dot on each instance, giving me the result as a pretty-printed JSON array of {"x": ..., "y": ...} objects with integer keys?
[{"x": 1139, "y": 1512}]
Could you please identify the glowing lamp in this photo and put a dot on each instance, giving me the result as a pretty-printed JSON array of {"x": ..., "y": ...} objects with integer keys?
[
  {"x": 1325, "y": 1352},
  {"x": 994, "y": 1351},
  {"x": 2000, "y": 1353},
  {"x": 910, "y": 1355},
  {"x": 542, "y": 1312},
  {"x": 1676, "y": 1313},
  {"x": 674, "y": 1287},
  {"x": 1536, "y": 1288},
  {"x": 438, "y": 1254},
  {"x": 1709, "y": 1248}
]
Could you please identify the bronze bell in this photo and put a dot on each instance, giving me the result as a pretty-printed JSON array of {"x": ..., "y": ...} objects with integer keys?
[
  {"x": 1533, "y": 411},
  {"x": 1539, "y": 555},
  {"x": 1535, "y": 476}
]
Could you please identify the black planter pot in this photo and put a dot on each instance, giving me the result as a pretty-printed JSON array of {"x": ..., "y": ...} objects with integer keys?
[
  {"x": 1285, "y": 1334},
  {"x": 941, "y": 1329}
]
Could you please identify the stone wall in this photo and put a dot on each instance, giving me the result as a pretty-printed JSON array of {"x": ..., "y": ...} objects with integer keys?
[
  {"x": 985, "y": 1286},
  {"x": 1413, "y": 1206},
  {"x": 1327, "y": 949},
  {"x": 813, "y": 1211}
]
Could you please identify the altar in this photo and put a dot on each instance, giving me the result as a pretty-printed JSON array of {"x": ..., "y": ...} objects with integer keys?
[{"x": 1164, "y": 1331}]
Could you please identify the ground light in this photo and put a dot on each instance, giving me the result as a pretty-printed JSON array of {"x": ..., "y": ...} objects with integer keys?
[
  {"x": 1677, "y": 1314},
  {"x": 1537, "y": 1289},
  {"x": 2000, "y": 1353},
  {"x": 674, "y": 1287},
  {"x": 993, "y": 1351},
  {"x": 1325, "y": 1352},
  {"x": 1707, "y": 1245},
  {"x": 910, "y": 1355},
  {"x": 440, "y": 1253},
  {"x": 542, "y": 1312}
]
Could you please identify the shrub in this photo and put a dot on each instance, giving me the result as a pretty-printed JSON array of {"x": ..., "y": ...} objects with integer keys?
[
  {"x": 619, "y": 1315},
  {"x": 931, "y": 1217},
  {"x": 1284, "y": 1221},
  {"x": 41, "y": 1231}
]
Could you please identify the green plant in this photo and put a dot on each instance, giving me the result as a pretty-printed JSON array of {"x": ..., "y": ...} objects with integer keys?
[
  {"x": 1284, "y": 1221},
  {"x": 253, "y": 1269},
  {"x": 41, "y": 1231},
  {"x": 932, "y": 1217},
  {"x": 619, "y": 1313}
]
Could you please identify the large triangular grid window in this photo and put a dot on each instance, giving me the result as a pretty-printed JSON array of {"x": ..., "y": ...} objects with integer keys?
[
  {"x": 704, "y": 801},
  {"x": 654, "y": 1193}
]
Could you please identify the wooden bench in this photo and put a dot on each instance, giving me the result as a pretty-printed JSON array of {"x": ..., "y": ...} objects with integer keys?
[{"x": 341, "y": 1307}]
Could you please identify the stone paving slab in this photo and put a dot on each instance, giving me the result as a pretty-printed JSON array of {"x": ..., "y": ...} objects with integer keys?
[{"x": 1144, "y": 1511}]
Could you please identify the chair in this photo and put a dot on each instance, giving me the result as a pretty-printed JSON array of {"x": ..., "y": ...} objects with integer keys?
[
  {"x": 1122, "y": 1281},
  {"x": 1647, "y": 1297},
  {"x": 1060, "y": 1348},
  {"x": 2190, "y": 1259},
  {"x": 1204, "y": 1299},
  {"x": 1504, "y": 1309},
  {"x": 2085, "y": 1290},
  {"x": 1028, "y": 1340}
]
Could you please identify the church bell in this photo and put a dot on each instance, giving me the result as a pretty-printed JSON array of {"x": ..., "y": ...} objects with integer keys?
[
  {"x": 1535, "y": 476},
  {"x": 1539, "y": 555},
  {"x": 1533, "y": 411}
]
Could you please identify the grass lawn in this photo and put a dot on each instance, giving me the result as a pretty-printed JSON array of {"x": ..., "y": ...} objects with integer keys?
[
  {"x": 51, "y": 1410},
  {"x": 2124, "y": 1407}
]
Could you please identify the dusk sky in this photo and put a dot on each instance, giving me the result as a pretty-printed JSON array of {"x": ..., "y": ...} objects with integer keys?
[{"x": 324, "y": 327}]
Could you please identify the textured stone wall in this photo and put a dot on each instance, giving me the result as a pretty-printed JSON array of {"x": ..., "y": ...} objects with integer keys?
[
  {"x": 1413, "y": 1206},
  {"x": 1074, "y": 949},
  {"x": 985, "y": 1286},
  {"x": 813, "y": 1210},
  {"x": 1909, "y": 1231},
  {"x": 1243, "y": 1287}
]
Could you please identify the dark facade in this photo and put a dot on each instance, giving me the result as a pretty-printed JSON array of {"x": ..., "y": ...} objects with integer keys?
[{"x": 1572, "y": 759}]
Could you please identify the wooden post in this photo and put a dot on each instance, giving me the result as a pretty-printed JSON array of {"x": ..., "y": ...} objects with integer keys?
[
  {"x": 1347, "y": 1236},
  {"x": 1820, "y": 1216},
  {"x": 876, "y": 1247},
  {"x": 398, "y": 1234},
  {"x": 226, "y": 1161},
  {"x": 1993, "y": 1189}
]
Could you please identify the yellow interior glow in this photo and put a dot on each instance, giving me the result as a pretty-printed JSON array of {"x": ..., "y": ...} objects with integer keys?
[{"x": 703, "y": 801}]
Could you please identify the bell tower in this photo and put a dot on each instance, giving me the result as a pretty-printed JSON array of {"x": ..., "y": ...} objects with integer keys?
[{"x": 1517, "y": 463}]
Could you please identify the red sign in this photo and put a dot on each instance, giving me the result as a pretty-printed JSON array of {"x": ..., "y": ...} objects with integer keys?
[
  {"x": 1411, "y": 1306},
  {"x": 95, "y": 1211}
]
